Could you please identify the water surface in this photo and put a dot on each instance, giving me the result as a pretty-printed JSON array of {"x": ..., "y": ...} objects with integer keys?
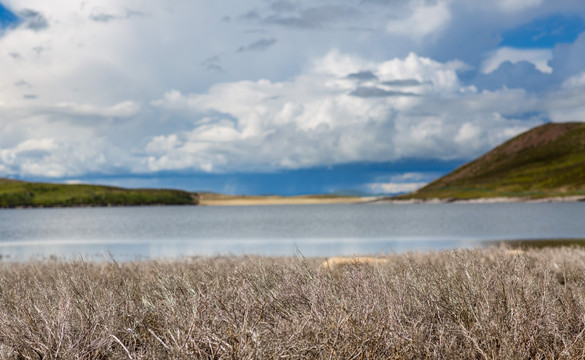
[{"x": 313, "y": 230}]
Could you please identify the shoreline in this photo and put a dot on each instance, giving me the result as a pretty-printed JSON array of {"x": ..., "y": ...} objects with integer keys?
[
  {"x": 224, "y": 200},
  {"x": 316, "y": 200},
  {"x": 493, "y": 200},
  {"x": 280, "y": 200},
  {"x": 82, "y": 206}
]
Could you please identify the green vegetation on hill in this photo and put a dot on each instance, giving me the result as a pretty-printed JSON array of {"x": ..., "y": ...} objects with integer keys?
[
  {"x": 547, "y": 161},
  {"x": 26, "y": 194}
]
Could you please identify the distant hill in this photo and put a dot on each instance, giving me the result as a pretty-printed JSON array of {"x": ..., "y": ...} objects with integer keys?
[
  {"x": 547, "y": 161},
  {"x": 14, "y": 193}
]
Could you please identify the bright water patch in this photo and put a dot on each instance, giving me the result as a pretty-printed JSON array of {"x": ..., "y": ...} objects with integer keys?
[{"x": 312, "y": 230}]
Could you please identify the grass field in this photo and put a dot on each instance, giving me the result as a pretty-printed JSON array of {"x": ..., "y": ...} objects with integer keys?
[
  {"x": 466, "y": 304},
  {"x": 27, "y": 194}
]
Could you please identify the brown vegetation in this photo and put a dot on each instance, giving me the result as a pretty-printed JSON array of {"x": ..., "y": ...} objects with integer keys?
[
  {"x": 337, "y": 263},
  {"x": 465, "y": 304}
]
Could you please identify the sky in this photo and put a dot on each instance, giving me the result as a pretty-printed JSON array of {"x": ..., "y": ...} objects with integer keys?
[{"x": 278, "y": 96}]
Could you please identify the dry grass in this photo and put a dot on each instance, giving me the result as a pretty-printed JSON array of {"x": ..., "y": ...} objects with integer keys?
[{"x": 479, "y": 304}]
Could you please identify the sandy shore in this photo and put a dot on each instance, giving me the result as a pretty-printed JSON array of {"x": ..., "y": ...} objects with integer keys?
[
  {"x": 242, "y": 200},
  {"x": 230, "y": 200}
]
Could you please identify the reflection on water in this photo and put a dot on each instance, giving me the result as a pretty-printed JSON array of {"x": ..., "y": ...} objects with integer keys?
[
  {"x": 178, "y": 248},
  {"x": 314, "y": 230}
]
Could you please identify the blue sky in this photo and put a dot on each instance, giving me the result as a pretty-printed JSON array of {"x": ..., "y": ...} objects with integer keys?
[
  {"x": 278, "y": 96},
  {"x": 545, "y": 32},
  {"x": 7, "y": 17}
]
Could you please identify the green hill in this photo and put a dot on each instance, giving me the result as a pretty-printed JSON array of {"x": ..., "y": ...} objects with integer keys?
[
  {"x": 15, "y": 193},
  {"x": 547, "y": 161}
]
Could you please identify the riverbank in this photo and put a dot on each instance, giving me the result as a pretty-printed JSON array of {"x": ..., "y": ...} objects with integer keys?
[
  {"x": 245, "y": 200},
  {"x": 465, "y": 304},
  {"x": 485, "y": 200}
]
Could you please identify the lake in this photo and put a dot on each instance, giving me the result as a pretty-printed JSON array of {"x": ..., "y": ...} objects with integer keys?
[{"x": 312, "y": 230}]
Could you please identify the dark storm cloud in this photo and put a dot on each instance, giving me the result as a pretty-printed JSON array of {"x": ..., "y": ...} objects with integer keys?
[
  {"x": 33, "y": 20},
  {"x": 259, "y": 45},
  {"x": 214, "y": 67},
  {"x": 363, "y": 75},
  {"x": 135, "y": 13},
  {"x": 38, "y": 50},
  {"x": 213, "y": 64},
  {"x": 315, "y": 17},
  {"x": 523, "y": 75},
  {"x": 33, "y": 154},
  {"x": 104, "y": 17},
  {"x": 283, "y": 6},
  {"x": 251, "y": 15},
  {"x": 405, "y": 82},
  {"x": 542, "y": 116},
  {"x": 373, "y": 92},
  {"x": 385, "y": 2},
  {"x": 255, "y": 31},
  {"x": 22, "y": 83}
]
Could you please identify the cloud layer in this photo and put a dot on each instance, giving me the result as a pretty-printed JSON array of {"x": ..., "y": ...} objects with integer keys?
[{"x": 144, "y": 87}]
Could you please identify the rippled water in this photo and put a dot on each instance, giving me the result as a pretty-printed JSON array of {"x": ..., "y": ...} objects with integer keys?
[{"x": 314, "y": 230}]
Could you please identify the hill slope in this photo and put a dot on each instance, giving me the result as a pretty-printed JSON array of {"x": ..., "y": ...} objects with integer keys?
[
  {"x": 15, "y": 193},
  {"x": 546, "y": 161}
]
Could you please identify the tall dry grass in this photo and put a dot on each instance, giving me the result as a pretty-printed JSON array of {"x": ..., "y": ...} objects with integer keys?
[{"x": 478, "y": 304}]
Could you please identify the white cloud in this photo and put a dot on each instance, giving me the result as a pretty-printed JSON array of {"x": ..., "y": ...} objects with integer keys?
[
  {"x": 340, "y": 65},
  {"x": 409, "y": 176},
  {"x": 36, "y": 144},
  {"x": 402, "y": 183},
  {"x": 113, "y": 93},
  {"x": 538, "y": 57},
  {"x": 425, "y": 20},
  {"x": 569, "y": 103},
  {"x": 46, "y": 157},
  {"x": 440, "y": 76},
  {"x": 468, "y": 132},
  {"x": 309, "y": 120},
  {"x": 313, "y": 120},
  {"x": 573, "y": 82},
  {"x": 394, "y": 188},
  {"x": 122, "y": 110}
]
